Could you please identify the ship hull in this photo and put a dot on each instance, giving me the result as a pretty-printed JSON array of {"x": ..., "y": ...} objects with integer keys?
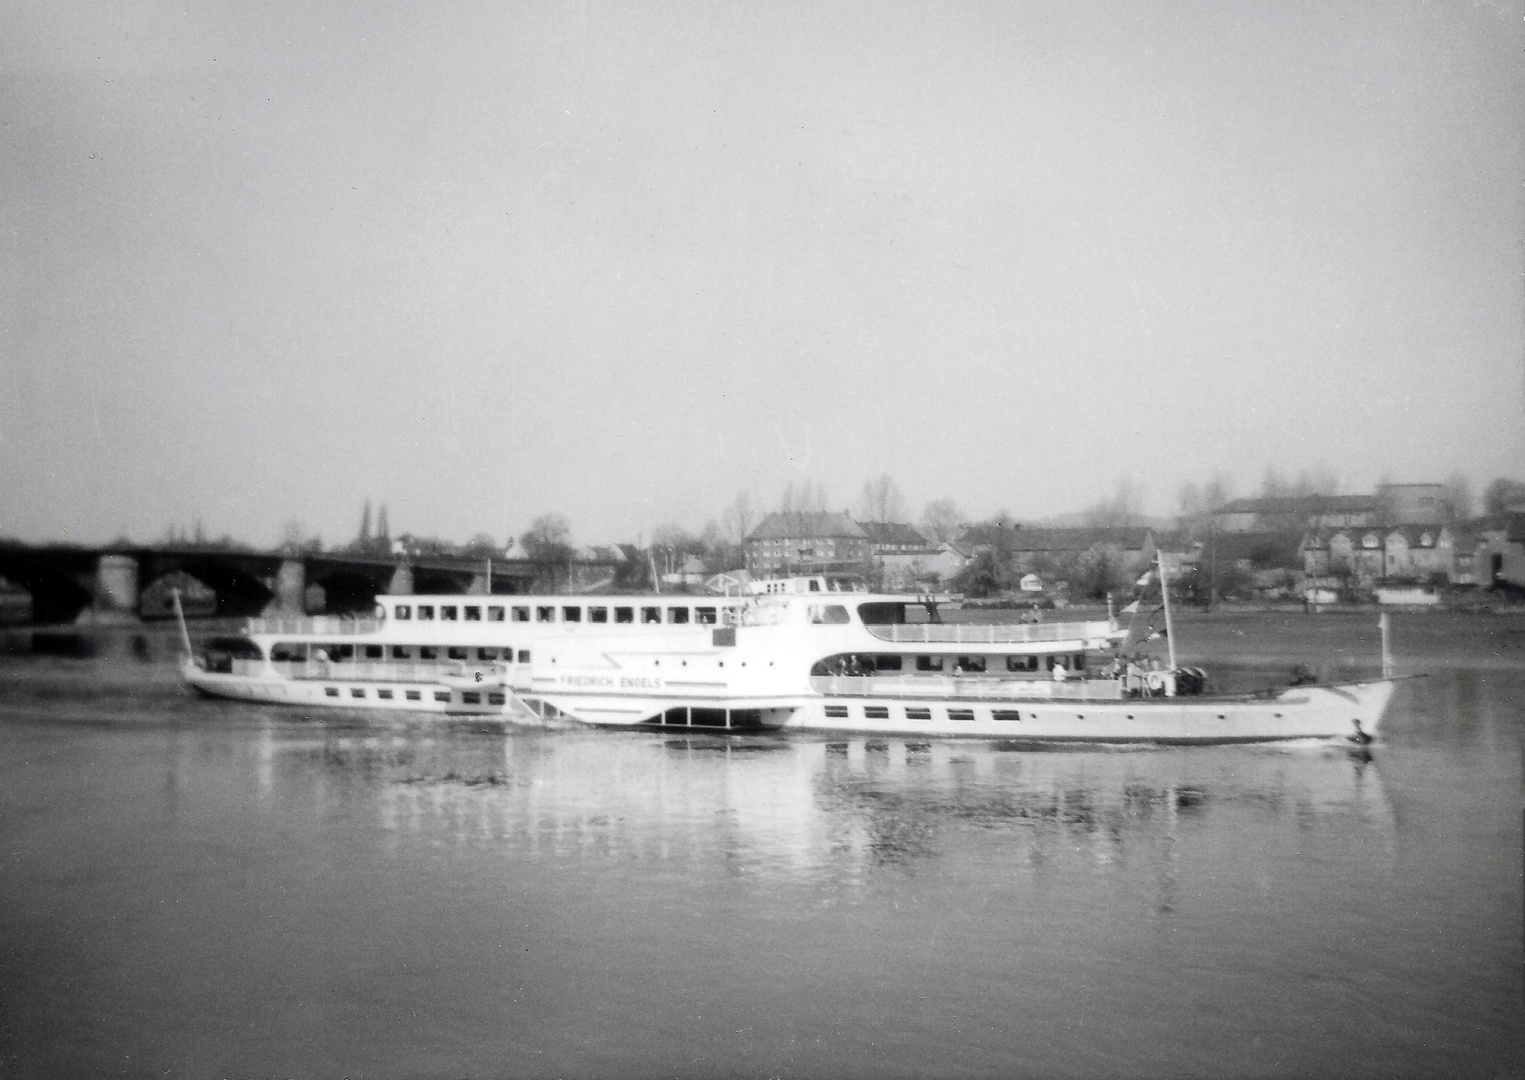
[
  {"x": 356, "y": 694},
  {"x": 1351, "y": 711}
]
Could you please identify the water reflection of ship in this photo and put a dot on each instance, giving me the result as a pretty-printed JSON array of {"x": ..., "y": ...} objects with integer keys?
[
  {"x": 791, "y": 808},
  {"x": 1103, "y": 794}
]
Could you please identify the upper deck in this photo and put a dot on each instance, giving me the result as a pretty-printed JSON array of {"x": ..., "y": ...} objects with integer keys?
[{"x": 825, "y": 601}]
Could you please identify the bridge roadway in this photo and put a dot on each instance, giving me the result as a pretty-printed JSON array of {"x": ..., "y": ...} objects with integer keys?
[{"x": 124, "y": 583}]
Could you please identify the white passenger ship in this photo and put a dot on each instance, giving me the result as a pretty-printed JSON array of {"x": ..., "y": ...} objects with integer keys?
[{"x": 819, "y": 653}]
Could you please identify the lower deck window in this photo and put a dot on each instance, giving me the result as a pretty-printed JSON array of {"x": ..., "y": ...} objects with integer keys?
[
  {"x": 960, "y": 714},
  {"x": 1022, "y": 663},
  {"x": 487, "y": 654},
  {"x": 876, "y": 712},
  {"x": 524, "y": 656},
  {"x": 651, "y": 614},
  {"x": 918, "y": 714},
  {"x": 399, "y": 652},
  {"x": 374, "y": 652},
  {"x": 1006, "y": 714},
  {"x": 624, "y": 614},
  {"x": 929, "y": 663},
  {"x": 495, "y": 699},
  {"x": 970, "y": 663},
  {"x": 356, "y": 691},
  {"x": 442, "y": 695},
  {"x": 331, "y": 691},
  {"x": 470, "y": 697},
  {"x": 385, "y": 695},
  {"x": 839, "y": 711},
  {"x": 412, "y": 695}
]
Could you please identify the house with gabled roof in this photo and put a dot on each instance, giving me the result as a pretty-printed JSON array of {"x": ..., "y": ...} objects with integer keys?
[
  {"x": 906, "y": 559},
  {"x": 1417, "y": 552},
  {"x": 806, "y": 541}
]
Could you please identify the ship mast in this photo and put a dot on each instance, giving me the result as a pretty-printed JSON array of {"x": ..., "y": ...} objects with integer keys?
[{"x": 1170, "y": 630}]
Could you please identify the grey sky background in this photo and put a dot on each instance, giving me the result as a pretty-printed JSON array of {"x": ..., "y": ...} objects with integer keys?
[{"x": 481, "y": 261}]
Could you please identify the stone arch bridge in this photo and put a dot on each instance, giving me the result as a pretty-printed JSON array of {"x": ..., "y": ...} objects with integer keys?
[{"x": 69, "y": 584}]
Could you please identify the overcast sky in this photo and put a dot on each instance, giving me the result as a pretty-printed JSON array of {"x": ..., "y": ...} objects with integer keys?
[{"x": 481, "y": 261}]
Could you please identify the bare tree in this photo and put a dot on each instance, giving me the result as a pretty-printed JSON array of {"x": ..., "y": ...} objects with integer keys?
[
  {"x": 1502, "y": 495},
  {"x": 739, "y": 517},
  {"x": 1456, "y": 499},
  {"x": 1319, "y": 480},
  {"x": 882, "y": 500},
  {"x": 548, "y": 543},
  {"x": 1123, "y": 508},
  {"x": 1218, "y": 491},
  {"x": 943, "y": 520}
]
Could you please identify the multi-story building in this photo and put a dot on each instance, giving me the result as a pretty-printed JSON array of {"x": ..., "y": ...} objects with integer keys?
[
  {"x": 1297, "y": 512},
  {"x": 806, "y": 541}
]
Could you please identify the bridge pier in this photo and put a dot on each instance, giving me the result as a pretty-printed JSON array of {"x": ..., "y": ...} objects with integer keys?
[
  {"x": 290, "y": 587},
  {"x": 116, "y": 590}
]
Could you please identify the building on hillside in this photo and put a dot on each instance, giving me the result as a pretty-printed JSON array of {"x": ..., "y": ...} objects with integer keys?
[
  {"x": 1469, "y": 555},
  {"x": 1417, "y": 553},
  {"x": 1504, "y": 558},
  {"x": 1268, "y": 563},
  {"x": 1037, "y": 549},
  {"x": 805, "y": 542},
  {"x": 903, "y": 559},
  {"x": 1297, "y": 513},
  {"x": 1415, "y": 504},
  {"x": 197, "y": 599},
  {"x": 1079, "y": 561}
]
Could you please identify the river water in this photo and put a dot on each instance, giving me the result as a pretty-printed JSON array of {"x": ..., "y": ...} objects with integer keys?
[{"x": 199, "y": 889}]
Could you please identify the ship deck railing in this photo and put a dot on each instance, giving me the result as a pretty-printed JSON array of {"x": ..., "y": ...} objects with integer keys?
[
  {"x": 966, "y": 686},
  {"x": 990, "y": 633},
  {"x": 415, "y": 671},
  {"x": 303, "y": 625}
]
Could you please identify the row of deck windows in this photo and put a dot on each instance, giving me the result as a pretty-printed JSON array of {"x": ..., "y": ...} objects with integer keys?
[
  {"x": 468, "y": 697},
  {"x": 855, "y": 664},
  {"x": 569, "y": 613},
  {"x": 337, "y": 653},
  {"x": 882, "y": 712}
]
